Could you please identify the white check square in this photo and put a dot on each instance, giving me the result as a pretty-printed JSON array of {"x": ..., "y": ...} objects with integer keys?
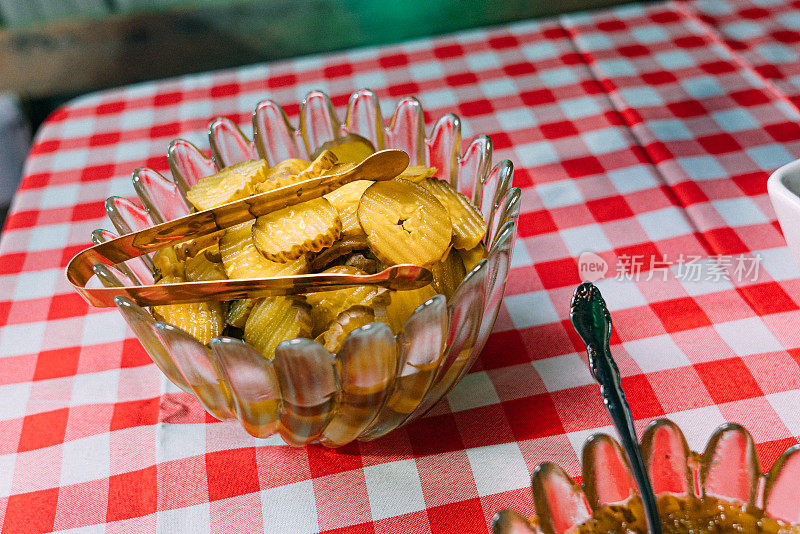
[
  {"x": 498, "y": 468},
  {"x": 630, "y": 179},
  {"x": 588, "y": 238},
  {"x": 473, "y": 391},
  {"x": 559, "y": 194},
  {"x": 563, "y": 372},
  {"x": 394, "y": 488},
  {"x": 748, "y": 336},
  {"x": 85, "y": 459},
  {"x": 664, "y": 223},
  {"x": 741, "y": 211},
  {"x": 656, "y": 353},
  {"x": 531, "y": 309}
]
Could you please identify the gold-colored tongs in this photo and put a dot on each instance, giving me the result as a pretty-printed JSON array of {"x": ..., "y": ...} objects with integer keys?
[{"x": 204, "y": 227}]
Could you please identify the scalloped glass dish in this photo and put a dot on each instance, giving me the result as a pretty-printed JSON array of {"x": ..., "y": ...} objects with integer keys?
[
  {"x": 726, "y": 473},
  {"x": 378, "y": 381}
]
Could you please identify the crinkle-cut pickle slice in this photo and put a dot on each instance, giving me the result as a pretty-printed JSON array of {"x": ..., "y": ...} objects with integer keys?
[
  {"x": 229, "y": 184},
  {"x": 347, "y": 321},
  {"x": 323, "y": 163},
  {"x": 291, "y": 232},
  {"x": 448, "y": 273},
  {"x": 201, "y": 320},
  {"x": 468, "y": 224},
  {"x": 346, "y": 200},
  {"x": 395, "y": 307},
  {"x": 274, "y": 320},
  {"x": 417, "y": 173},
  {"x": 286, "y": 168},
  {"x": 241, "y": 258},
  {"x": 327, "y": 305},
  {"x": 350, "y": 149},
  {"x": 167, "y": 262},
  {"x": 472, "y": 256},
  {"x": 404, "y": 223},
  {"x": 239, "y": 311},
  {"x": 200, "y": 268}
]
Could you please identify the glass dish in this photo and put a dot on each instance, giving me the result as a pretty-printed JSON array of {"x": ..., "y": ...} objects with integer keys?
[
  {"x": 727, "y": 470},
  {"x": 378, "y": 381}
]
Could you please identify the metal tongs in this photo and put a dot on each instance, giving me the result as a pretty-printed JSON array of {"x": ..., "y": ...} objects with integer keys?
[
  {"x": 204, "y": 227},
  {"x": 592, "y": 321}
]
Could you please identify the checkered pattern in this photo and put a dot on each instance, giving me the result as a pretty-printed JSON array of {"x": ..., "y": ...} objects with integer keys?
[{"x": 644, "y": 131}]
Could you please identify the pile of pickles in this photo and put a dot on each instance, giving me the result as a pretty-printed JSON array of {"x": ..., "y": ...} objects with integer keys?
[{"x": 360, "y": 228}]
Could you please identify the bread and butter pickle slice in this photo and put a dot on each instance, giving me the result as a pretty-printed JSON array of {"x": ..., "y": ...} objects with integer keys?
[
  {"x": 342, "y": 247},
  {"x": 168, "y": 264},
  {"x": 241, "y": 258},
  {"x": 201, "y": 320},
  {"x": 291, "y": 232},
  {"x": 395, "y": 307},
  {"x": 200, "y": 268},
  {"x": 351, "y": 148},
  {"x": 364, "y": 261},
  {"x": 323, "y": 163},
  {"x": 346, "y": 200},
  {"x": 472, "y": 256},
  {"x": 404, "y": 223},
  {"x": 229, "y": 184},
  {"x": 274, "y": 320},
  {"x": 448, "y": 273},
  {"x": 327, "y": 305},
  {"x": 286, "y": 169},
  {"x": 347, "y": 321},
  {"x": 468, "y": 224},
  {"x": 239, "y": 311},
  {"x": 417, "y": 173}
]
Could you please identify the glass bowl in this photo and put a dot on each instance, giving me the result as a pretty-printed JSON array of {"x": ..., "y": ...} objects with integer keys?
[
  {"x": 378, "y": 381},
  {"x": 727, "y": 470}
]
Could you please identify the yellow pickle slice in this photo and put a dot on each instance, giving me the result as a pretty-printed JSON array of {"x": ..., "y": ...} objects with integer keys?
[
  {"x": 351, "y": 148},
  {"x": 404, "y": 223},
  {"x": 417, "y": 173},
  {"x": 241, "y": 258},
  {"x": 448, "y": 273},
  {"x": 395, "y": 307},
  {"x": 472, "y": 256},
  {"x": 201, "y": 320},
  {"x": 282, "y": 177},
  {"x": 274, "y": 320},
  {"x": 289, "y": 233},
  {"x": 327, "y": 305},
  {"x": 200, "y": 268},
  {"x": 229, "y": 184},
  {"x": 347, "y": 321},
  {"x": 468, "y": 224},
  {"x": 346, "y": 200}
]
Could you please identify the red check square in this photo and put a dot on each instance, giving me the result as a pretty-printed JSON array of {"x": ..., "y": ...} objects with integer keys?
[{"x": 728, "y": 380}]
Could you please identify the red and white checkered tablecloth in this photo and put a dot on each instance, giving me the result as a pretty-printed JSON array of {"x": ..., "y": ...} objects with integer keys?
[{"x": 643, "y": 134}]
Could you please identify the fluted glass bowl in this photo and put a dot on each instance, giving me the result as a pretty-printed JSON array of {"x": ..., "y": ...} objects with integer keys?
[
  {"x": 728, "y": 470},
  {"x": 378, "y": 381}
]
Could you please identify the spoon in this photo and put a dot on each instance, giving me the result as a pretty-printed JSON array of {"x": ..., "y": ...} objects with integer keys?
[{"x": 592, "y": 321}]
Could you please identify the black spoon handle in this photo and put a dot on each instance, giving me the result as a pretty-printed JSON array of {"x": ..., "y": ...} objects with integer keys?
[{"x": 592, "y": 321}]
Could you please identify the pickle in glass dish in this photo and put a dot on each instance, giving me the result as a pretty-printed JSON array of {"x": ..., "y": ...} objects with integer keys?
[
  {"x": 292, "y": 232},
  {"x": 231, "y": 183},
  {"x": 201, "y": 320},
  {"x": 241, "y": 258},
  {"x": 468, "y": 224},
  {"x": 404, "y": 223},
  {"x": 351, "y": 148},
  {"x": 274, "y": 320}
]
